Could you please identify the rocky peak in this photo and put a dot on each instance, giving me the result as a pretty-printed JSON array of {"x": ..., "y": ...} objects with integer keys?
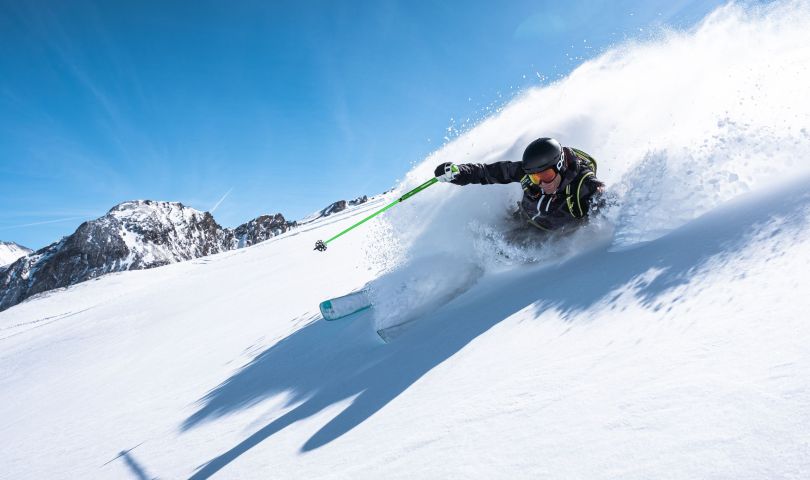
[
  {"x": 260, "y": 229},
  {"x": 341, "y": 205},
  {"x": 10, "y": 252},
  {"x": 131, "y": 236},
  {"x": 155, "y": 233}
]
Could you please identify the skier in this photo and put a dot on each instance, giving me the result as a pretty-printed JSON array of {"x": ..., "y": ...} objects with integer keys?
[{"x": 560, "y": 187}]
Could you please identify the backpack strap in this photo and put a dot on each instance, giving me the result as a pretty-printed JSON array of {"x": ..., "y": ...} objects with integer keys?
[
  {"x": 585, "y": 158},
  {"x": 590, "y": 164},
  {"x": 570, "y": 201}
]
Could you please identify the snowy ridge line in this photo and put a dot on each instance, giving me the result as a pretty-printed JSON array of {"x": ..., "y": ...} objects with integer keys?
[
  {"x": 371, "y": 204},
  {"x": 332, "y": 219},
  {"x": 11, "y": 252},
  {"x": 329, "y": 210}
]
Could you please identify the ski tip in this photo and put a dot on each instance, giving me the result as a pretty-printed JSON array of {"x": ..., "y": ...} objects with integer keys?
[{"x": 326, "y": 310}]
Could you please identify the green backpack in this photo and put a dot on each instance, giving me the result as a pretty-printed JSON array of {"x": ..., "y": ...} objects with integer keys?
[{"x": 590, "y": 164}]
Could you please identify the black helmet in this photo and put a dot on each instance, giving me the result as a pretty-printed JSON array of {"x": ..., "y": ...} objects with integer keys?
[{"x": 542, "y": 154}]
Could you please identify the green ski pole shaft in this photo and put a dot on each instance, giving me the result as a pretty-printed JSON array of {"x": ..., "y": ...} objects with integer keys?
[{"x": 321, "y": 245}]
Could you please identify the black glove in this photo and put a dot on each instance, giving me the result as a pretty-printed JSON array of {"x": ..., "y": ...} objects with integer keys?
[{"x": 446, "y": 172}]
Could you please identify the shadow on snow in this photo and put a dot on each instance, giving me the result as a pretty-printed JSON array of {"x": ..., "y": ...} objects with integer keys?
[{"x": 327, "y": 362}]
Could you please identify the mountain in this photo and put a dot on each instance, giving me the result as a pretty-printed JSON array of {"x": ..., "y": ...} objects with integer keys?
[
  {"x": 10, "y": 251},
  {"x": 133, "y": 235},
  {"x": 260, "y": 229},
  {"x": 336, "y": 207}
]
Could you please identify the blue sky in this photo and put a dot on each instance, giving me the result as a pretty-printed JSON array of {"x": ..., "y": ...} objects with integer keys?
[{"x": 263, "y": 106}]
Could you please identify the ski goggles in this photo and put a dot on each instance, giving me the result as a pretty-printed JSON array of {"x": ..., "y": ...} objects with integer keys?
[{"x": 546, "y": 176}]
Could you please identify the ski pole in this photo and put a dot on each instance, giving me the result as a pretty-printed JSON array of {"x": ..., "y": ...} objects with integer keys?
[{"x": 320, "y": 245}]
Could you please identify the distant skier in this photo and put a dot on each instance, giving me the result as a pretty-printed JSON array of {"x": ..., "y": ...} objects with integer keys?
[{"x": 560, "y": 187}]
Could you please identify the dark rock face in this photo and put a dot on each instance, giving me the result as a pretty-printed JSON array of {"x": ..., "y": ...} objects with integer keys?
[
  {"x": 341, "y": 205},
  {"x": 336, "y": 207},
  {"x": 358, "y": 200},
  {"x": 260, "y": 229}
]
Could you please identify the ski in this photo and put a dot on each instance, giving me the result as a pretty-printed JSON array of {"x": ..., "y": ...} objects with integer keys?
[
  {"x": 342, "y": 307},
  {"x": 347, "y": 305}
]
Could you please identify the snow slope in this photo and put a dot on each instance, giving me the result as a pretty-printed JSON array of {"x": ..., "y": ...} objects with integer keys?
[{"x": 668, "y": 341}]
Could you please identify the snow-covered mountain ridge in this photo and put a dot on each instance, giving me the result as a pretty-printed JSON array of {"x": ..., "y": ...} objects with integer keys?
[
  {"x": 333, "y": 208},
  {"x": 131, "y": 236},
  {"x": 10, "y": 251},
  {"x": 135, "y": 235}
]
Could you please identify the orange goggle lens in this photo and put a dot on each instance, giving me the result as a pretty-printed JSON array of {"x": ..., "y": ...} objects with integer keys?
[{"x": 546, "y": 176}]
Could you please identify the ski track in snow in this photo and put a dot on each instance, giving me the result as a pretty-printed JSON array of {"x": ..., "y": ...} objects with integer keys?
[{"x": 667, "y": 340}]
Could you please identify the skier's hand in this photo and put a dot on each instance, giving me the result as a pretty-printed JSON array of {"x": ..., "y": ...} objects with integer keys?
[{"x": 446, "y": 172}]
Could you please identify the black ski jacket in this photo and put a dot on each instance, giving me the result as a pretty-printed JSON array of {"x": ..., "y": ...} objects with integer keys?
[{"x": 579, "y": 192}]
